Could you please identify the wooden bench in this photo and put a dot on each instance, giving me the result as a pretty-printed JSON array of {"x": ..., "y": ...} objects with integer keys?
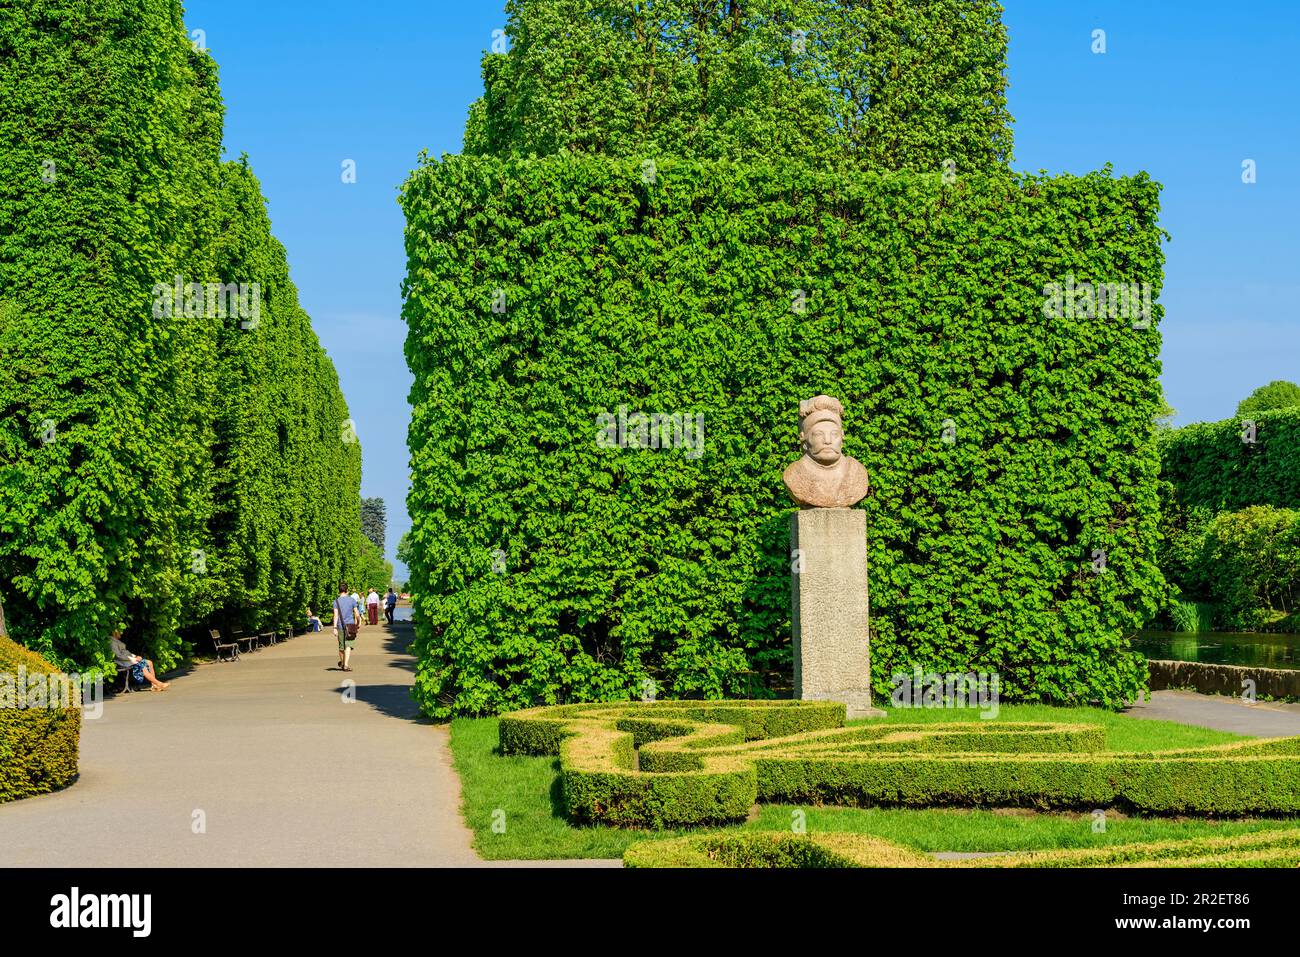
[
  {"x": 240, "y": 639},
  {"x": 223, "y": 647}
]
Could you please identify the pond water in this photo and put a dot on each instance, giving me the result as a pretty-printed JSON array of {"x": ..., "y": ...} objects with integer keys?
[
  {"x": 1222, "y": 648},
  {"x": 402, "y": 613}
]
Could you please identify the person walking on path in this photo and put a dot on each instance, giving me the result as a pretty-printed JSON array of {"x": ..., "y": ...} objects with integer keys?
[
  {"x": 390, "y": 603},
  {"x": 356, "y": 597},
  {"x": 141, "y": 668},
  {"x": 372, "y": 606},
  {"x": 347, "y": 619}
]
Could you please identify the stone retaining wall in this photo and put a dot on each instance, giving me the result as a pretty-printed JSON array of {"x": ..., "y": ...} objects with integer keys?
[{"x": 1224, "y": 679}]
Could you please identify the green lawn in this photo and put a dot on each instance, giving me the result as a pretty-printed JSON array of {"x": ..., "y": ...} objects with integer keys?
[{"x": 533, "y": 824}]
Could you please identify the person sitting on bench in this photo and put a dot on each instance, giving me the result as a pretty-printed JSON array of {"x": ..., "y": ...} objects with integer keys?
[
  {"x": 140, "y": 668},
  {"x": 313, "y": 621}
]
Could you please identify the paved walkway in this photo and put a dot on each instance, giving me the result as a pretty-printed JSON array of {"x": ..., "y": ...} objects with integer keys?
[
  {"x": 266, "y": 752},
  {"x": 1265, "y": 719}
]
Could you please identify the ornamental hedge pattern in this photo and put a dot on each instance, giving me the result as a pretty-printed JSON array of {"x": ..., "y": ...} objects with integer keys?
[
  {"x": 156, "y": 471},
  {"x": 1013, "y": 515},
  {"x": 1273, "y": 848},
  {"x": 683, "y": 763}
]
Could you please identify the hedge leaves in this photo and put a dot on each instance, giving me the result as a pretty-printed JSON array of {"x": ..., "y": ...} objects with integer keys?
[{"x": 160, "y": 468}]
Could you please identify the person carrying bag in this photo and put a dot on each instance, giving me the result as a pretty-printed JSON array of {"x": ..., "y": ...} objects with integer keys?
[{"x": 347, "y": 619}]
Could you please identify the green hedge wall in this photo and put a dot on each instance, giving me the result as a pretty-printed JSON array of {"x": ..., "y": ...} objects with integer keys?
[
  {"x": 38, "y": 746},
  {"x": 156, "y": 471},
  {"x": 1211, "y": 467},
  {"x": 549, "y": 568}
]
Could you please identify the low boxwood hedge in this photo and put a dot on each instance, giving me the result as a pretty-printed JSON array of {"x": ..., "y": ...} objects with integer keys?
[
  {"x": 1280, "y": 848},
  {"x": 38, "y": 745},
  {"x": 675, "y": 763}
]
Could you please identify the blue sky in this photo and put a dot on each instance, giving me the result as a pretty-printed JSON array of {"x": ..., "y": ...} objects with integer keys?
[{"x": 1186, "y": 90}]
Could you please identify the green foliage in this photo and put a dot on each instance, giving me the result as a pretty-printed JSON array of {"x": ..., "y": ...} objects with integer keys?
[
  {"x": 890, "y": 86},
  {"x": 156, "y": 470},
  {"x": 38, "y": 745},
  {"x": 702, "y": 768},
  {"x": 1278, "y": 394},
  {"x": 1251, "y": 562},
  {"x": 404, "y": 553},
  {"x": 1212, "y": 466},
  {"x": 1191, "y": 616},
  {"x": 372, "y": 570},
  {"x": 374, "y": 521},
  {"x": 1273, "y": 848},
  {"x": 549, "y": 568}
]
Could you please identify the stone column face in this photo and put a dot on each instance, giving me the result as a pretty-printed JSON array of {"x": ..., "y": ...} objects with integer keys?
[{"x": 831, "y": 618}]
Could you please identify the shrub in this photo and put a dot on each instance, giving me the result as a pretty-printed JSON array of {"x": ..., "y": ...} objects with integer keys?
[
  {"x": 674, "y": 764},
  {"x": 548, "y": 568},
  {"x": 38, "y": 746},
  {"x": 1251, "y": 560}
]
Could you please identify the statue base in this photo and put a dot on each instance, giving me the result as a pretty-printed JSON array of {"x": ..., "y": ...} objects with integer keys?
[{"x": 830, "y": 623}]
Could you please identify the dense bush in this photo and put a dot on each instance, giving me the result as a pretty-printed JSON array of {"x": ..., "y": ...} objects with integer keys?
[
  {"x": 1251, "y": 562},
  {"x": 703, "y": 767},
  {"x": 1227, "y": 466},
  {"x": 159, "y": 467},
  {"x": 892, "y": 86},
  {"x": 1013, "y": 514},
  {"x": 38, "y": 745}
]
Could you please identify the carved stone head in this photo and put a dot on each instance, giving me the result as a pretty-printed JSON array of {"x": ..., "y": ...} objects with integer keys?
[
  {"x": 824, "y": 477},
  {"x": 822, "y": 429}
]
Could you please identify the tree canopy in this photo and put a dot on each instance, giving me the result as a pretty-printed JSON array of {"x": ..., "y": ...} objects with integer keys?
[{"x": 891, "y": 84}]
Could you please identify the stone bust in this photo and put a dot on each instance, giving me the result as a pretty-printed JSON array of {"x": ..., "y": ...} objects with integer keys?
[{"x": 825, "y": 477}]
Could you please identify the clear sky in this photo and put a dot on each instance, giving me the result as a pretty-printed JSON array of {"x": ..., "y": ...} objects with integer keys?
[{"x": 1186, "y": 90}]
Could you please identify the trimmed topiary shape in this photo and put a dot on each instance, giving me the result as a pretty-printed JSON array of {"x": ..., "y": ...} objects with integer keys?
[
  {"x": 682, "y": 763},
  {"x": 38, "y": 746},
  {"x": 767, "y": 849}
]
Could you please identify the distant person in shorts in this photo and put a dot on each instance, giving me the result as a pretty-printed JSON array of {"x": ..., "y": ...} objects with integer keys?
[
  {"x": 347, "y": 619},
  {"x": 390, "y": 603}
]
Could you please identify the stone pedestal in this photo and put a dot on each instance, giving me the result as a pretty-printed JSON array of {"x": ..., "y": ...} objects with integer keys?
[{"x": 830, "y": 623}]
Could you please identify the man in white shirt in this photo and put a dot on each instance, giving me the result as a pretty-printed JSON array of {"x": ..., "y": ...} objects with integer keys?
[{"x": 372, "y": 606}]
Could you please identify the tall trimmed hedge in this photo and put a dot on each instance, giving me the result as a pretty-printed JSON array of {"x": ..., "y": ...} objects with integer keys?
[
  {"x": 157, "y": 471},
  {"x": 1212, "y": 466},
  {"x": 898, "y": 85},
  {"x": 544, "y": 293}
]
